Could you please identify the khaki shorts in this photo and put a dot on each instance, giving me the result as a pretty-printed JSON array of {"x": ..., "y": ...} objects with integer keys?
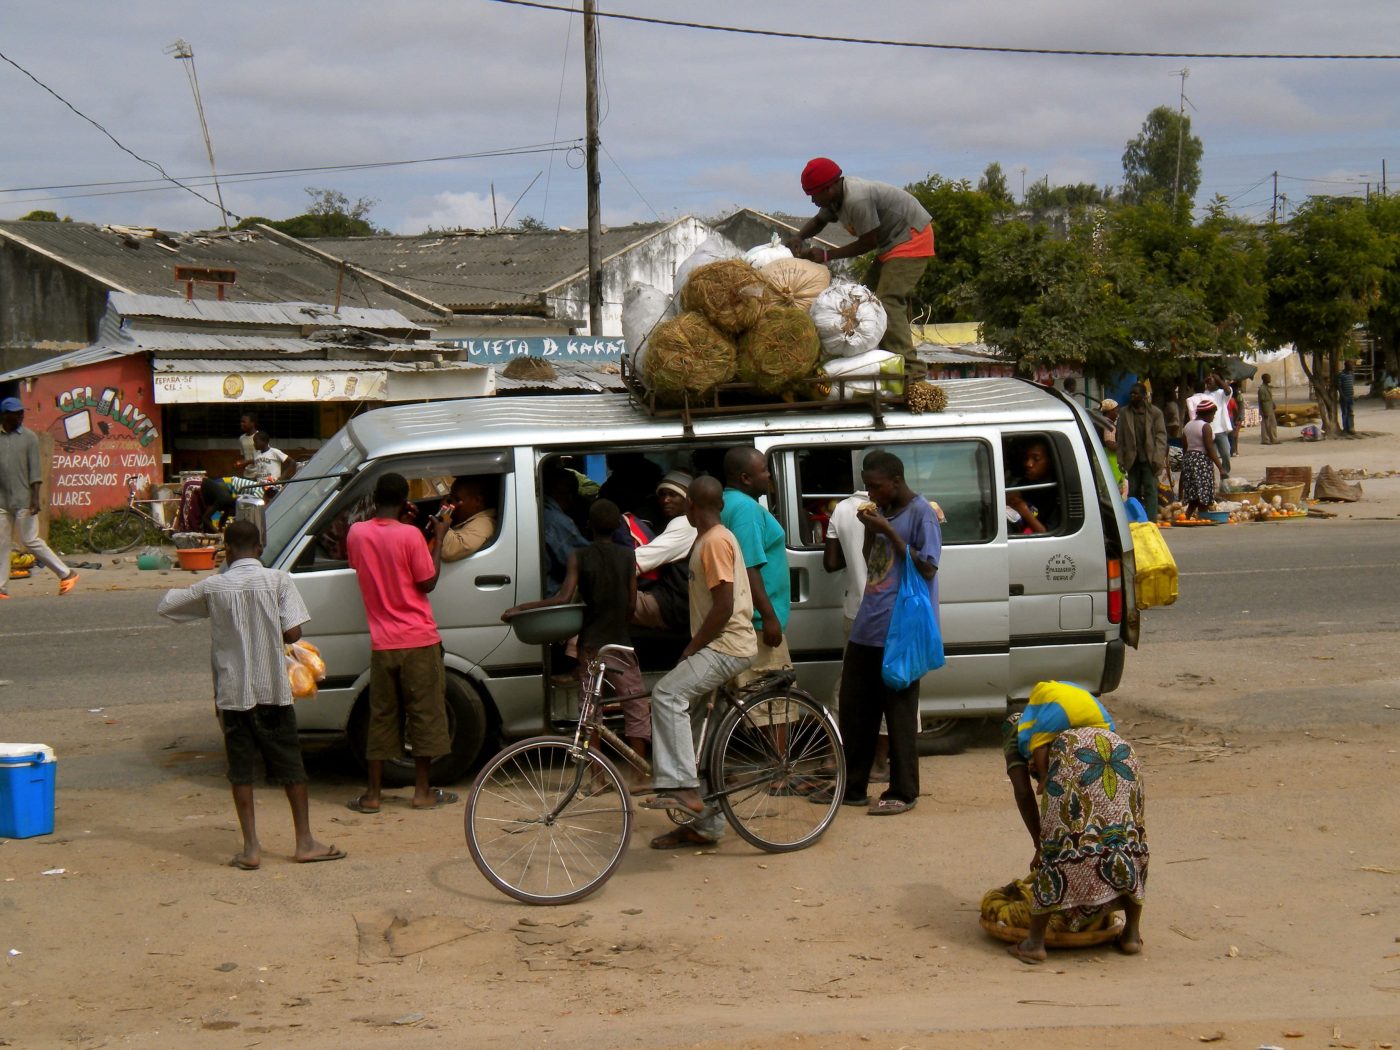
[{"x": 407, "y": 687}]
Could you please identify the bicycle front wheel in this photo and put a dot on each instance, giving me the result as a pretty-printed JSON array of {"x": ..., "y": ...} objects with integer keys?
[
  {"x": 769, "y": 759},
  {"x": 115, "y": 531},
  {"x": 548, "y": 822}
]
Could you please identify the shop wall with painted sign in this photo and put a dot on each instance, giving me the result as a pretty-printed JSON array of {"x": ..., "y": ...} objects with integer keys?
[
  {"x": 560, "y": 348},
  {"x": 231, "y": 388},
  {"x": 105, "y": 427}
]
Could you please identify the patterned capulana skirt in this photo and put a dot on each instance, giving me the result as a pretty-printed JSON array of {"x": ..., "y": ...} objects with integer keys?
[
  {"x": 1093, "y": 844},
  {"x": 1197, "y": 479}
]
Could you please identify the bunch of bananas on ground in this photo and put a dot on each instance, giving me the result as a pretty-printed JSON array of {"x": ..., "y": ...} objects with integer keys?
[
  {"x": 923, "y": 396},
  {"x": 1010, "y": 905},
  {"x": 20, "y": 564}
]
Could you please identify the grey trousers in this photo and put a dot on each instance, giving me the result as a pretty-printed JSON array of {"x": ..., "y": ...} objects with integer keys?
[
  {"x": 22, "y": 526},
  {"x": 677, "y": 713}
]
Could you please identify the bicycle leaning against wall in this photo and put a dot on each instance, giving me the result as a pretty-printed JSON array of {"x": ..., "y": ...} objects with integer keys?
[{"x": 116, "y": 531}]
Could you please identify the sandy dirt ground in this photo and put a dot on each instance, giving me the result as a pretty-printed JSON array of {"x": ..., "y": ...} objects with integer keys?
[{"x": 1273, "y": 912}]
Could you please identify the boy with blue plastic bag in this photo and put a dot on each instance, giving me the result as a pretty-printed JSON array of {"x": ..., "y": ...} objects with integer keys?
[{"x": 901, "y": 531}]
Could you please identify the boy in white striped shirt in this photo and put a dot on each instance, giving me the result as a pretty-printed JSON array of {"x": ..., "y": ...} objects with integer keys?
[{"x": 252, "y": 612}]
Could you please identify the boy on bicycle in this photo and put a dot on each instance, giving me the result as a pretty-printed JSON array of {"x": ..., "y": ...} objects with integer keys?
[{"x": 723, "y": 645}]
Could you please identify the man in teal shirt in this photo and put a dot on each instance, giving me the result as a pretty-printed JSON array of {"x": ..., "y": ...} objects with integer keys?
[{"x": 763, "y": 545}]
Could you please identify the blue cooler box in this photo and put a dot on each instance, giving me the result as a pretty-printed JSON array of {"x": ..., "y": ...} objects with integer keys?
[{"x": 26, "y": 790}]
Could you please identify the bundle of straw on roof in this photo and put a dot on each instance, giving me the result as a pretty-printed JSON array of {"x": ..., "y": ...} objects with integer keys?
[
  {"x": 728, "y": 293},
  {"x": 529, "y": 368},
  {"x": 780, "y": 349},
  {"x": 687, "y": 357},
  {"x": 795, "y": 282}
]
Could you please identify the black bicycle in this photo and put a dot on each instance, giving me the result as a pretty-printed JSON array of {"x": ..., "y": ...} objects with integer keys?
[{"x": 549, "y": 818}]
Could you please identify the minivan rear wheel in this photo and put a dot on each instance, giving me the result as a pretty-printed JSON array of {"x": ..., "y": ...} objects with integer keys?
[
  {"x": 467, "y": 726},
  {"x": 948, "y": 736}
]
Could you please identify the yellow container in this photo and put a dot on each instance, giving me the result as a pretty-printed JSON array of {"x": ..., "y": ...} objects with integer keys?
[{"x": 1156, "y": 568}]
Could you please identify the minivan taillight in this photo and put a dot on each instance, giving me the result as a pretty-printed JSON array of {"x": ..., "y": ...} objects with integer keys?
[{"x": 1115, "y": 590}]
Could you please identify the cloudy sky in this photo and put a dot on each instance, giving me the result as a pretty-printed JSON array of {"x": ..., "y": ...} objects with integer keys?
[{"x": 694, "y": 122}]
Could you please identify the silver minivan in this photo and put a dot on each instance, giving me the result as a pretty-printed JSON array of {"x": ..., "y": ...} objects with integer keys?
[{"x": 1016, "y": 607}]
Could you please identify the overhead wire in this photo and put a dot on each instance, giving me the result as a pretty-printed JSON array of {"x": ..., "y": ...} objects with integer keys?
[{"x": 976, "y": 48}]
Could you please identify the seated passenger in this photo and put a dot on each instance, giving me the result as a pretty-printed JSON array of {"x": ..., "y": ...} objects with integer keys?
[
  {"x": 664, "y": 601},
  {"x": 473, "y": 521},
  {"x": 1034, "y": 510},
  {"x": 561, "y": 535}
]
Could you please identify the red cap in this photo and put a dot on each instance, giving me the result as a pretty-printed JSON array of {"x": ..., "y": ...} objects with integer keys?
[{"x": 819, "y": 173}]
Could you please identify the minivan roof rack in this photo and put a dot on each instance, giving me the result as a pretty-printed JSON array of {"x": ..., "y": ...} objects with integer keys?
[{"x": 876, "y": 392}]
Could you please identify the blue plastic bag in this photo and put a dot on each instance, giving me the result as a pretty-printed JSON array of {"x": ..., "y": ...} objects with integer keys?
[
  {"x": 913, "y": 644},
  {"x": 1135, "y": 510}
]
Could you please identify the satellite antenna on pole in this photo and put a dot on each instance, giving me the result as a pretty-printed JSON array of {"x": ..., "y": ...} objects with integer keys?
[{"x": 184, "y": 52}]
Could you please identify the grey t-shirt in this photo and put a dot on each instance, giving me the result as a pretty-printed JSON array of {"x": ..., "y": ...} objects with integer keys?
[
  {"x": 877, "y": 205},
  {"x": 19, "y": 468}
]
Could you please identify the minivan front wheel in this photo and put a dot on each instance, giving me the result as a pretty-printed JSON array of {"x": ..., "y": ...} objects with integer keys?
[{"x": 467, "y": 727}]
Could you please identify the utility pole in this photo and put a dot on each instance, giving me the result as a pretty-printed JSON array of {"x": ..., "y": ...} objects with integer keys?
[
  {"x": 1382, "y": 176},
  {"x": 595, "y": 231},
  {"x": 495, "y": 219},
  {"x": 1273, "y": 212},
  {"x": 1183, "y": 73},
  {"x": 183, "y": 52}
]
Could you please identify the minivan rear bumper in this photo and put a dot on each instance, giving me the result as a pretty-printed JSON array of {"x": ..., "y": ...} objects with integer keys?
[{"x": 1114, "y": 657}]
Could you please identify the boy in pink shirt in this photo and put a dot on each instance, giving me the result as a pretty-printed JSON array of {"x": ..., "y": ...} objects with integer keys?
[{"x": 396, "y": 572}]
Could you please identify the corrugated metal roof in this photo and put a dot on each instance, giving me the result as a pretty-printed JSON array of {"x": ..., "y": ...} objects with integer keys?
[
  {"x": 292, "y": 365},
  {"x": 302, "y": 315},
  {"x": 615, "y": 420},
  {"x": 88, "y": 355},
  {"x": 268, "y": 272},
  {"x": 578, "y": 376},
  {"x": 492, "y": 268}
]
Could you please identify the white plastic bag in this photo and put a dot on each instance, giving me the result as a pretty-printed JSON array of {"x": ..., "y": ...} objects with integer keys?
[
  {"x": 870, "y": 363},
  {"x": 643, "y": 308},
  {"x": 714, "y": 248},
  {"x": 849, "y": 319},
  {"x": 761, "y": 255}
]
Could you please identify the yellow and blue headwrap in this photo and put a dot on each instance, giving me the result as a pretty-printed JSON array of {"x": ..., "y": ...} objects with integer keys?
[{"x": 1055, "y": 707}]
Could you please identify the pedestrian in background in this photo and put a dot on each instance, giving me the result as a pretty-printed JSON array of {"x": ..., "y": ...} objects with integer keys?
[
  {"x": 247, "y": 448},
  {"x": 252, "y": 611},
  {"x": 1268, "y": 419},
  {"x": 269, "y": 464},
  {"x": 21, "y": 498},
  {"x": 1346, "y": 398},
  {"x": 1142, "y": 448},
  {"x": 407, "y": 681}
]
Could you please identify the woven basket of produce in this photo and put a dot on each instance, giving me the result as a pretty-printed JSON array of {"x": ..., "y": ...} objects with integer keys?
[
  {"x": 687, "y": 357},
  {"x": 729, "y": 294},
  {"x": 1006, "y": 915},
  {"x": 795, "y": 282},
  {"x": 780, "y": 349}
]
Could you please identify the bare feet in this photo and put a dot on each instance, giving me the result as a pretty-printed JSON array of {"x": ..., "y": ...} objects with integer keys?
[
  {"x": 1130, "y": 945},
  {"x": 1029, "y": 956},
  {"x": 246, "y": 861}
]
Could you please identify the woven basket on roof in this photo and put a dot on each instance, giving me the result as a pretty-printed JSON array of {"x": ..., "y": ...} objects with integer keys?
[
  {"x": 729, "y": 294},
  {"x": 687, "y": 357},
  {"x": 780, "y": 349}
]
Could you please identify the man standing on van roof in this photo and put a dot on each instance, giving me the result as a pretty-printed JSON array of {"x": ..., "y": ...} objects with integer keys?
[
  {"x": 407, "y": 681},
  {"x": 764, "y": 547},
  {"x": 882, "y": 218}
]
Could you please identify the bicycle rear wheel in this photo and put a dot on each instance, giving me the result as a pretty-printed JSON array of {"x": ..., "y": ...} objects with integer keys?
[
  {"x": 116, "y": 531},
  {"x": 767, "y": 757},
  {"x": 548, "y": 822}
]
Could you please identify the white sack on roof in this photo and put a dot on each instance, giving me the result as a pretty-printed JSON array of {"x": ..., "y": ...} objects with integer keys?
[
  {"x": 849, "y": 319},
  {"x": 872, "y": 363},
  {"x": 714, "y": 248},
  {"x": 643, "y": 308},
  {"x": 771, "y": 251}
]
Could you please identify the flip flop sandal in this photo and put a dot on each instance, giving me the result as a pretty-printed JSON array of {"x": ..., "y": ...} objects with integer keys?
[
  {"x": 331, "y": 854},
  {"x": 823, "y": 798},
  {"x": 440, "y": 798},
  {"x": 357, "y": 806},
  {"x": 664, "y": 801},
  {"x": 889, "y": 807},
  {"x": 681, "y": 838}
]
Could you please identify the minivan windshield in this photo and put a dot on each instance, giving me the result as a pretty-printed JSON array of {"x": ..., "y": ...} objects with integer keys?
[{"x": 299, "y": 500}]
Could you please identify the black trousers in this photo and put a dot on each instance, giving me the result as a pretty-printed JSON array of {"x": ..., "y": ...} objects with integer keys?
[{"x": 864, "y": 699}]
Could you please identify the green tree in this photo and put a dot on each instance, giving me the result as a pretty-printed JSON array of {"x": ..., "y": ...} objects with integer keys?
[
  {"x": 993, "y": 185},
  {"x": 961, "y": 215},
  {"x": 1384, "y": 320},
  {"x": 331, "y": 214},
  {"x": 40, "y": 215},
  {"x": 1324, "y": 272},
  {"x": 1042, "y": 196},
  {"x": 1150, "y": 160}
]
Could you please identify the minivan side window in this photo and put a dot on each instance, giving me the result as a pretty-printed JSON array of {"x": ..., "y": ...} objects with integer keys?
[
  {"x": 429, "y": 486},
  {"x": 1037, "y": 482},
  {"x": 958, "y": 475}
]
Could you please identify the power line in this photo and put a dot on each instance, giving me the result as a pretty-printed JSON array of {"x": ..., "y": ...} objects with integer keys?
[
  {"x": 115, "y": 140},
  {"x": 977, "y": 48}
]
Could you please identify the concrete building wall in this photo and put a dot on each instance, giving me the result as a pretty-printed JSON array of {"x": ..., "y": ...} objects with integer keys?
[{"x": 45, "y": 309}]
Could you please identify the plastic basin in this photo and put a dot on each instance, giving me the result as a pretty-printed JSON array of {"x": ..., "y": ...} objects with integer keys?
[{"x": 553, "y": 623}]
